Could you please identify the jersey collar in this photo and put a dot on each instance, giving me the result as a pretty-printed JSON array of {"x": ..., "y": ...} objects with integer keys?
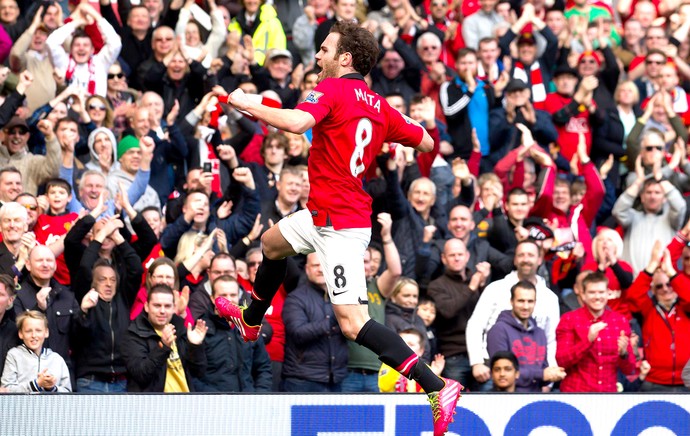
[{"x": 356, "y": 76}]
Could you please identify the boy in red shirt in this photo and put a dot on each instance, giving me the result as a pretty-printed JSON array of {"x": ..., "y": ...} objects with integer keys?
[{"x": 51, "y": 227}]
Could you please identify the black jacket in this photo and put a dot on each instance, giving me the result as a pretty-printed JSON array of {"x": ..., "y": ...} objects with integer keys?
[
  {"x": 146, "y": 356},
  {"x": 62, "y": 311},
  {"x": 233, "y": 365},
  {"x": 8, "y": 336},
  {"x": 315, "y": 348},
  {"x": 80, "y": 259},
  {"x": 399, "y": 318},
  {"x": 99, "y": 333}
]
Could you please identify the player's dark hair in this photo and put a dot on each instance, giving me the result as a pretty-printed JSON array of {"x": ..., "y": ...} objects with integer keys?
[{"x": 360, "y": 43}]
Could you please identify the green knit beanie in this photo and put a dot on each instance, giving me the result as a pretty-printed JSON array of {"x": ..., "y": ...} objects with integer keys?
[{"x": 127, "y": 143}]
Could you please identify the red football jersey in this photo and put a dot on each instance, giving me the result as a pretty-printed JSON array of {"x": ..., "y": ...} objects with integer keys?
[
  {"x": 48, "y": 229},
  {"x": 352, "y": 122}
]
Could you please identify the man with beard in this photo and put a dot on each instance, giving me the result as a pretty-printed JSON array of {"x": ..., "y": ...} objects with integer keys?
[
  {"x": 496, "y": 298},
  {"x": 337, "y": 222}
]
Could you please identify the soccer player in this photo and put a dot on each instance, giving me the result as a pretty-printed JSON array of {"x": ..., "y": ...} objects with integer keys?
[{"x": 349, "y": 124}]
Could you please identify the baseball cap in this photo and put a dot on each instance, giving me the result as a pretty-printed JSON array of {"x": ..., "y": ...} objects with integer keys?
[
  {"x": 565, "y": 69},
  {"x": 277, "y": 53},
  {"x": 17, "y": 122},
  {"x": 515, "y": 85}
]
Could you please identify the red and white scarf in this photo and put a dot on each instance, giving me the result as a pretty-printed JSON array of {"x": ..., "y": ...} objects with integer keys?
[
  {"x": 208, "y": 154},
  {"x": 535, "y": 78},
  {"x": 69, "y": 74}
]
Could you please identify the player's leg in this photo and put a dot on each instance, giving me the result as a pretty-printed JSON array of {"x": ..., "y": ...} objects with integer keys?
[
  {"x": 270, "y": 274},
  {"x": 342, "y": 259},
  {"x": 284, "y": 239}
]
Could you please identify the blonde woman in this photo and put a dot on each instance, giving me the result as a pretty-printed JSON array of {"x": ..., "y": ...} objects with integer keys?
[
  {"x": 298, "y": 148},
  {"x": 401, "y": 311},
  {"x": 607, "y": 248}
]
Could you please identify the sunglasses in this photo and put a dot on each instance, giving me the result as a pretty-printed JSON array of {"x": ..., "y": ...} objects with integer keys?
[
  {"x": 118, "y": 75},
  {"x": 163, "y": 39},
  {"x": 17, "y": 132},
  {"x": 661, "y": 286},
  {"x": 30, "y": 207},
  {"x": 94, "y": 107},
  {"x": 653, "y": 147}
]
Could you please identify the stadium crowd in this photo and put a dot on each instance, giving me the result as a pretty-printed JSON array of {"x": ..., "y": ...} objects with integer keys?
[{"x": 543, "y": 245}]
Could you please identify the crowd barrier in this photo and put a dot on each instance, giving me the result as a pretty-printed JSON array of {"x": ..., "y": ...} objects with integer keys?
[{"x": 344, "y": 414}]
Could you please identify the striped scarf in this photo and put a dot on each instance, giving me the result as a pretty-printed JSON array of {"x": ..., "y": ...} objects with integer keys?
[{"x": 535, "y": 80}]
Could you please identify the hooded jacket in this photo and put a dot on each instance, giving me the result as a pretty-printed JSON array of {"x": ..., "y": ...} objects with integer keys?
[
  {"x": 93, "y": 163},
  {"x": 23, "y": 365},
  {"x": 527, "y": 343}
]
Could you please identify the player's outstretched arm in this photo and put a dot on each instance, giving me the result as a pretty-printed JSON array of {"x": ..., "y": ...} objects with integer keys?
[
  {"x": 427, "y": 143},
  {"x": 290, "y": 120}
]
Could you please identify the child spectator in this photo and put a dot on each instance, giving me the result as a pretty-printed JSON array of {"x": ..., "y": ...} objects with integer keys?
[
  {"x": 426, "y": 310},
  {"x": 391, "y": 380},
  {"x": 30, "y": 367},
  {"x": 52, "y": 226}
]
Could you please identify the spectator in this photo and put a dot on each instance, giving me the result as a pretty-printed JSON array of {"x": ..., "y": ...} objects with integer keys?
[
  {"x": 10, "y": 184},
  {"x": 102, "y": 324},
  {"x": 496, "y": 299},
  {"x": 163, "y": 272},
  {"x": 515, "y": 330},
  {"x": 16, "y": 242},
  {"x": 31, "y": 367},
  {"x": 35, "y": 169},
  {"x": 456, "y": 294},
  {"x": 81, "y": 66},
  {"x": 665, "y": 321},
  {"x": 505, "y": 371},
  {"x": 532, "y": 69},
  {"x": 160, "y": 354},
  {"x": 196, "y": 215},
  {"x": 391, "y": 380},
  {"x": 662, "y": 214},
  {"x": 289, "y": 187},
  {"x": 30, "y": 53},
  {"x": 135, "y": 158},
  {"x": 480, "y": 24},
  {"x": 201, "y": 301},
  {"x": 343, "y": 10},
  {"x": 260, "y": 24},
  {"x": 401, "y": 311},
  {"x": 593, "y": 342},
  {"x": 607, "y": 248},
  {"x": 194, "y": 253},
  {"x": 233, "y": 365},
  {"x": 466, "y": 102},
  {"x": 502, "y": 232},
  {"x": 8, "y": 326},
  {"x": 315, "y": 348},
  {"x": 40, "y": 291}
]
